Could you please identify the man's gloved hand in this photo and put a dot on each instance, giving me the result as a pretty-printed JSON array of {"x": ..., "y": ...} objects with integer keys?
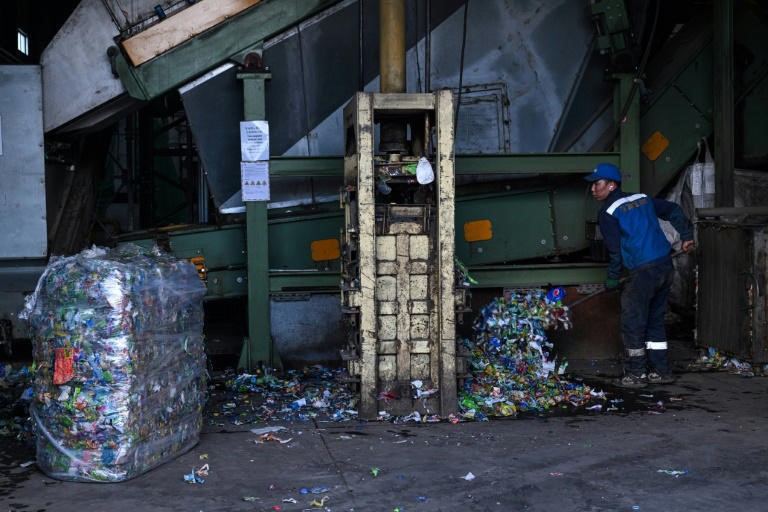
[{"x": 611, "y": 284}]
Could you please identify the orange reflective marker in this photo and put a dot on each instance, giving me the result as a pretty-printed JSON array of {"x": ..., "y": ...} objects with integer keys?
[
  {"x": 655, "y": 146},
  {"x": 478, "y": 230},
  {"x": 325, "y": 250}
]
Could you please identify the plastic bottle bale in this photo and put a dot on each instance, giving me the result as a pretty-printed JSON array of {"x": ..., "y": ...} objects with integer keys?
[{"x": 120, "y": 376}]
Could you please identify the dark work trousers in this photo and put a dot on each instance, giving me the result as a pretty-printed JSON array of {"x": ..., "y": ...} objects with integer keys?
[{"x": 643, "y": 305}]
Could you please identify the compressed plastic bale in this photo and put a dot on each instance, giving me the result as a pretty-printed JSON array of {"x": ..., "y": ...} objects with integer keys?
[{"x": 120, "y": 376}]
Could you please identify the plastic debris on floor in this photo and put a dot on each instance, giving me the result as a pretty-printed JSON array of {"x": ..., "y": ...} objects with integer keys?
[
  {"x": 15, "y": 396},
  {"x": 120, "y": 377},
  {"x": 677, "y": 473},
  {"x": 314, "y": 393},
  {"x": 511, "y": 367},
  {"x": 711, "y": 359},
  {"x": 197, "y": 476},
  {"x": 511, "y": 371}
]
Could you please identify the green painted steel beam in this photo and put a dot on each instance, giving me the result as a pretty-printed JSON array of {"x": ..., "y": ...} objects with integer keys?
[
  {"x": 214, "y": 47},
  {"x": 304, "y": 280},
  {"x": 525, "y": 224},
  {"x": 490, "y": 276},
  {"x": 285, "y": 166},
  {"x": 521, "y": 163},
  {"x": 224, "y": 284},
  {"x": 537, "y": 275},
  {"x": 627, "y": 115},
  {"x": 290, "y": 239},
  {"x": 533, "y": 163},
  {"x": 486, "y": 277}
]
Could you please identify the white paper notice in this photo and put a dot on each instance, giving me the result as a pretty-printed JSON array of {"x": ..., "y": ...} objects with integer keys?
[
  {"x": 254, "y": 141},
  {"x": 255, "y": 180}
]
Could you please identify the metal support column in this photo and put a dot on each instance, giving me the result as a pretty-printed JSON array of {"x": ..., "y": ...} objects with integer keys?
[
  {"x": 258, "y": 349},
  {"x": 629, "y": 134},
  {"x": 444, "y": 160},
  {"x": 723, "y": 102}
]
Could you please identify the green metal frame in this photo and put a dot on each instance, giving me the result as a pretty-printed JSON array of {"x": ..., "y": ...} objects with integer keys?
[
  {"x": 614, "y": 22},
  {"x": 505, "y": 276},
  {"x": 487, "y": 276},
  {"x": 223, "y": 251},
  {"x": 258, "y": 349},
  {"x": 629, "y": 135},
  {"x": 521, "y": 163},
  {"x": 298, "y": 274},
  {"x": 290, "y": 238},
  {"x": 538, "y": 163}
]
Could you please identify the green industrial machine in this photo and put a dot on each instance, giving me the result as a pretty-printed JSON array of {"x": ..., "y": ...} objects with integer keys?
[{"x": 527, "y": 227}]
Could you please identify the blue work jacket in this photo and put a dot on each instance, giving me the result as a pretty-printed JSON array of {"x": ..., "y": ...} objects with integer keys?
[{"x": 630, "y": 227}]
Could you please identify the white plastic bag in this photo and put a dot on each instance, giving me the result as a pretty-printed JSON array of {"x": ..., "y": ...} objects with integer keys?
[
  {"x": 424, "y": 173},
  {"x": 703, "y": 177}
]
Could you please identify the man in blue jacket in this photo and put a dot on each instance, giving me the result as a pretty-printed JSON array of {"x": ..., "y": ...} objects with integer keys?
[{"x": 635, "y": 241}]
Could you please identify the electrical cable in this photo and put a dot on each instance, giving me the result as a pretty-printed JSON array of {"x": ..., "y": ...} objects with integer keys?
[
  {"x": 418, "y": 66},
  {"x": 427, "y": 44},
  {"x": 461, "y": 67},
  {"x": 360, "y": 47}
]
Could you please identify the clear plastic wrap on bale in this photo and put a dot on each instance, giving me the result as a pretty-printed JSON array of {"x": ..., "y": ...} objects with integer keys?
[{"x": 120, "y": 377}]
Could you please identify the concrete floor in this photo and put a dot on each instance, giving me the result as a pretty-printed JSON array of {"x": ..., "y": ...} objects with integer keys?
[{"x": 714, "y": 425}]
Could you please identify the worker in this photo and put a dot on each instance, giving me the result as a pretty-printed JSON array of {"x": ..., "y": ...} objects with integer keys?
[{"x": 635, "y": 242}]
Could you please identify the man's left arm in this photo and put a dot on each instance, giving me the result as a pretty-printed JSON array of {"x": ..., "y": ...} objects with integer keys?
[{"x": 672, "y": 212}]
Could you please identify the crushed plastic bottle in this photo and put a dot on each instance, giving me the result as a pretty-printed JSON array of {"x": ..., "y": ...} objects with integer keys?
[{"x": 511, "y": 368}]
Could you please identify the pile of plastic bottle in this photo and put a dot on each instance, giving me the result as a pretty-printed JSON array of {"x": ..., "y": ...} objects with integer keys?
[
  {"x": 511, "y": 368},
  {"x": 711, "y": 359},
  {"x": 120, "y": 377}
]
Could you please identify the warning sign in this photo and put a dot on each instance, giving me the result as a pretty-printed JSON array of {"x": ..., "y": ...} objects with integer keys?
[{"x": 255, "y": 181}]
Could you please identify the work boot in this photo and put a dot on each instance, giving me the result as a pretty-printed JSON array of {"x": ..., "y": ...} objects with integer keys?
[
  {"x": 660, "y": 378},
  {"x": 631, "y": 381}
]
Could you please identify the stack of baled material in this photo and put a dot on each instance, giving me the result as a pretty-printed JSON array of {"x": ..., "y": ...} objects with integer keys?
[{"x": 120, "y": 378}]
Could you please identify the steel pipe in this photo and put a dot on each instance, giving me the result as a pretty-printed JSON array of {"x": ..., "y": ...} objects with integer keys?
[{"x": 392, "y": 45}]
